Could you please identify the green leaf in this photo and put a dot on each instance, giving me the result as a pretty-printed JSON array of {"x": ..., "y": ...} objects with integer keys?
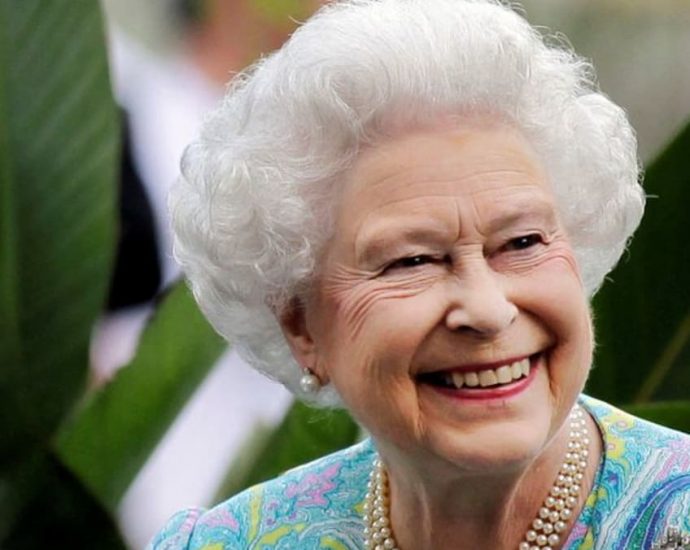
[
  {"x": 110, "y": 438},
  {"x": 305, "y": 434},
  {"x": 63, "y": 514},
  {"x": 643, "y": 314},
  {"x": 58, "y": 154},
  {"x": 674, "y": 414}
]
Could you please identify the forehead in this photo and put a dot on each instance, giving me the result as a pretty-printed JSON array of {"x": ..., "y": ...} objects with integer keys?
[
  {"x": 447, "y": 155},
  {"x": 493, "y": 168}
]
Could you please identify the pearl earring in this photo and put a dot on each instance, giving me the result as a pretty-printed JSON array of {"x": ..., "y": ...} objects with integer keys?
[{"x": 309, "y": 382}]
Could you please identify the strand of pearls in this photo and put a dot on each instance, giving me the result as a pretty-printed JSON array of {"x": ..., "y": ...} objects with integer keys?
[
  {"x": 557, "y": 510},
  {"x": 545, "y": 531},
  {"x": 377, "y": 525}
]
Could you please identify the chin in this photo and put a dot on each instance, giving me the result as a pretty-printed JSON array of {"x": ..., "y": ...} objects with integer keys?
[{"x": 503, "y": 447}]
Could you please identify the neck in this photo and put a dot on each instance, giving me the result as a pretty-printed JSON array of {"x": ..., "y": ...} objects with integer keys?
[{"x": 480, "y": 510}]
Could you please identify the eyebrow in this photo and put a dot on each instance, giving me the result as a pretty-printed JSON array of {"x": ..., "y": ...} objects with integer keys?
[
  {"x": 523, "y": 210},
  {"x": 382, "y": 238},
  {"x": 389, "y": 235}
]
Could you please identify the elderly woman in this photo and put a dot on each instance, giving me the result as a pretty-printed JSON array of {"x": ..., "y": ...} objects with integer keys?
[{"x": 404, "y": 212}]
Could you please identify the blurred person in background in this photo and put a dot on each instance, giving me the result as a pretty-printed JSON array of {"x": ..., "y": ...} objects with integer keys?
[{"x": 163, "y": 97}]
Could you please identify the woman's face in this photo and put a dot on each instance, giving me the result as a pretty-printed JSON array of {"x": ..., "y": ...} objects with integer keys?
[{"x": 448, "y": 310}]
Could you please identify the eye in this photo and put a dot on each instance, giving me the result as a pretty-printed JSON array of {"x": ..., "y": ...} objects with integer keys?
[
  {"x": 523, "y": 242},
  {"x": 410, "y": 262}
]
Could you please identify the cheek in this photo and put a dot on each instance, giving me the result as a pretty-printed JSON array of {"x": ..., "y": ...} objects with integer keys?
[
  {"x": 396, "y": 323},
  {"x": 373, "y": 340},
  {"x": 361, "y": 310},
  {"x": 555, "y": 284},
  {"x": 552, "y": 292},
  {"x": 372, "y": 335},
  {"x": 556, "y": 297},
  {"x": 566, "y": 295}
]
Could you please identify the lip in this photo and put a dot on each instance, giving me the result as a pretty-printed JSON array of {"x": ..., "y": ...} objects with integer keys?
[{"x": 498, "y": 392}]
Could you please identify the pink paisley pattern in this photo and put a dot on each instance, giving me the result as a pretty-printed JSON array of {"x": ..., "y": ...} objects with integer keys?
[
  {"x": 312, "y": 488},
  {"x": 223, "y": 518}
]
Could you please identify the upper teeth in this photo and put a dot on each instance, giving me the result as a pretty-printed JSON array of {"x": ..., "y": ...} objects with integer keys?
[{"x": 489, "y": 377}]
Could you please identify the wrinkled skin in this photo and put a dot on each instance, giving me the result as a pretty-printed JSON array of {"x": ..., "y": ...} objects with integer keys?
[{"x": 448, "y": 253}]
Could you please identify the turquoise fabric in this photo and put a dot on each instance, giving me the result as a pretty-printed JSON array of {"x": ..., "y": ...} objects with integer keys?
[{"x": 642, "y": 487}]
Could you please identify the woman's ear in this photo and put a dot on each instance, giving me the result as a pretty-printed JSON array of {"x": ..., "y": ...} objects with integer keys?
[{"x": 293, "y": 322}]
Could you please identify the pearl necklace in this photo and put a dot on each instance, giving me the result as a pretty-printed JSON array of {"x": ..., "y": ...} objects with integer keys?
[{"x": 546, "y": 529}]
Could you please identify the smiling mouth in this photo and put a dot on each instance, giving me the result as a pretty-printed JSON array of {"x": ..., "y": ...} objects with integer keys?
[{"x": 497, "y": 377}]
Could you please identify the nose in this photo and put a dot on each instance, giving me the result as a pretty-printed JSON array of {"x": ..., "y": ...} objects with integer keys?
[{"x": 478, "y": 303}]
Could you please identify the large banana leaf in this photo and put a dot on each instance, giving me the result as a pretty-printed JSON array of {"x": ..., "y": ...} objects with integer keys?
[
  {"x": 643, "y": 313},
  {"x": 58, "y": 153},
  {"x": 110, "y": 438},
  {"x": 60, "y": 514}
]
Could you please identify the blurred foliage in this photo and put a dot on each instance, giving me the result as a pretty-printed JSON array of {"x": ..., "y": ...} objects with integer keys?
[
  {"x": 58, "y": 152},
  {"x": 642, "y": 313},
  {"x": 115, "y": 431},
  {"x": 669, "y": 413},
  {"x": 67, "y": 456}
]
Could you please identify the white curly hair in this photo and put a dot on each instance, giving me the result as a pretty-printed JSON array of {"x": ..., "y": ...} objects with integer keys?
[{"x": 255, "y": 204}]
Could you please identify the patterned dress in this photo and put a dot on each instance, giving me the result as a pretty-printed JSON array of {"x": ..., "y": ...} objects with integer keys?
[{"x": 642, "y": 487}]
